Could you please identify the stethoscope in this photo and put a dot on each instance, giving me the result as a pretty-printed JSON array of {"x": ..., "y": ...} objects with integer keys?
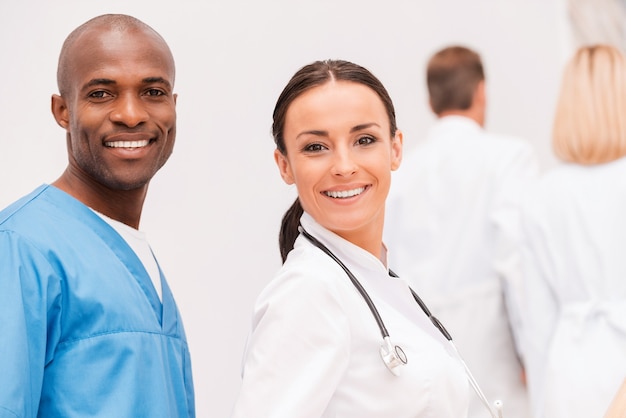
[{"x": 393, "y": 356}]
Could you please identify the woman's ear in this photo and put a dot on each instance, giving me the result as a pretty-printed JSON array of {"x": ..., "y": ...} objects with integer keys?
[
  {"x": 283, "y": 166},
  {"x": 396, "y": 150},
  {"x": 60, "y": 111}
]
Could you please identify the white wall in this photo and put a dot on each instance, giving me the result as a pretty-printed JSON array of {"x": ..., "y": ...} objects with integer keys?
[{"x": 213, "y": 212}]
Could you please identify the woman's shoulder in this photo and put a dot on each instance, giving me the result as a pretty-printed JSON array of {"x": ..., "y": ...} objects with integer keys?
[
  {"x": 308, "y": 265},
  {"x": 306, "y": 269},
  {"x": 308, "y": 287}
]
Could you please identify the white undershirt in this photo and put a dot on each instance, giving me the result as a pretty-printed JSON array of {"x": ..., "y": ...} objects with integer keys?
[{"x": 138, "y": 242}]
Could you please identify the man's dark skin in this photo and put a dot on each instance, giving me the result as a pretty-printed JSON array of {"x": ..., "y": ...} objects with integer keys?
[{"x": 118, "y": 108}]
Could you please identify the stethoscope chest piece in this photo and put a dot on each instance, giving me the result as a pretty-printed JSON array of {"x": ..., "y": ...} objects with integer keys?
[{"x": 393, "y": 356}]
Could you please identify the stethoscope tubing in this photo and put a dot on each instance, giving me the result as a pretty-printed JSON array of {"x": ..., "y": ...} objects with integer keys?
[
  {"x": 420, "y": 302},
  {"x": 355, "y": 281}
]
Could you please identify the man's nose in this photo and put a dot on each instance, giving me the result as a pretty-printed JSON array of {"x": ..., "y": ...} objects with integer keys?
[{"x": 129, "y": 110}]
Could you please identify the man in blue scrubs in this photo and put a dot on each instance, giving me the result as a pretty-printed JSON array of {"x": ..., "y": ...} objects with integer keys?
[{"x": 88, "y": 325}]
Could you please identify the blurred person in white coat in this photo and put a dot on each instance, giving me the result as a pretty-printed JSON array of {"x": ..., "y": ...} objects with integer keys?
[
  {"x": 452, "y": 219},
  {"x": 575, "y": 246}
]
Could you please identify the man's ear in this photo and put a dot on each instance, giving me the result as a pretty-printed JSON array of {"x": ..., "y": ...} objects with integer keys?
[
  {"x": 396, "y": 150},
  {"x": 60, "y": 111},
  {"x": 480, "y": 95},
  {"x": 479, "y": 103},
  {"x": 284, "y": 167}
]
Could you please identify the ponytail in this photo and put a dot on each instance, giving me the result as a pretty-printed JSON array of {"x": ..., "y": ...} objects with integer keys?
[{"x": 289, "y": 228}]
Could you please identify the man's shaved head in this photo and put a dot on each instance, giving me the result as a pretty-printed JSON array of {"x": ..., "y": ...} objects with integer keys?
[{"x": 111, "y": 22}]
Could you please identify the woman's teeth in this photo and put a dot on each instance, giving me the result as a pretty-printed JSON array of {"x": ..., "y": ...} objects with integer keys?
[{"x": 344, "y": 193}]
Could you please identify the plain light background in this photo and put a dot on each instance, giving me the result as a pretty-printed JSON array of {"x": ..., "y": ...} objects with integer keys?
[{"x": 213, "y": 212}]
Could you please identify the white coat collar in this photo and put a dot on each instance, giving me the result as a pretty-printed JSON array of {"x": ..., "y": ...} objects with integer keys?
[
  {"x": 342, "y": 248},
  {"x": 453, "y": 123}
]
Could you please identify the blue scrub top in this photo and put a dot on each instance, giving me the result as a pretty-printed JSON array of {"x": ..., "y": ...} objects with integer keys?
[{"x": 82, "y": 329}]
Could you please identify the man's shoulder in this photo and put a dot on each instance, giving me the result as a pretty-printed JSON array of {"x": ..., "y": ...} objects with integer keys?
[
  {"x": 22, "y": 207},
  {"x": 503, "y": 149},
  {"x": 463, "y": 130},
  {"x": 46, "y": 211},
  {"x": 509, "y": 141},
  {"x": 480, "y": 144}
]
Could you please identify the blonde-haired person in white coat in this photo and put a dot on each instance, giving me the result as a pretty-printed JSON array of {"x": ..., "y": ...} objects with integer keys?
[
  {"x": 453, "y": 224},
  {"x": 575, "y": 252},
  {"x": 314, "y": 347}
]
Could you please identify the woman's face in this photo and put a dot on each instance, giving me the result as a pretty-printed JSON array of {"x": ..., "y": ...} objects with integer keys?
[{"x": 340, "y": 155}]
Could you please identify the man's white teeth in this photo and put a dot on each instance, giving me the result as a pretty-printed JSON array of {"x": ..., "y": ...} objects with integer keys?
[
  {"x": 127, "y": 144},
  {"x": 345, "y": 193}
]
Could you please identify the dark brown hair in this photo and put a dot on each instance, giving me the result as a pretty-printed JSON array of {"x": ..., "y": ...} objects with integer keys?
[
  {"x": 452, "y": 76},
  {"x": 308, "y": 77}
]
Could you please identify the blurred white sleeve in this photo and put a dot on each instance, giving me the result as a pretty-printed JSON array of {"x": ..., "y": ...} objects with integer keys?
[
  {"x": 538, "y": 304},
  {"x": 517, "y": 176}
]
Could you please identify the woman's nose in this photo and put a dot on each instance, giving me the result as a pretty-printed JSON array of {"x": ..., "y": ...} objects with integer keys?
[{"x": 344, "y": 163}]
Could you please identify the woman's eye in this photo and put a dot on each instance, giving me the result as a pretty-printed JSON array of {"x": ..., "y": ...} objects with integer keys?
[
  {"x": 365, "y": 140},
  {"x": 314, "y": 147}
]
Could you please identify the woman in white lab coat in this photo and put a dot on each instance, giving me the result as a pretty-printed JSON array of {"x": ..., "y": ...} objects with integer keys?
[
  {"x": 315, "y": 346},
  {"x": 575, "y": 252}
]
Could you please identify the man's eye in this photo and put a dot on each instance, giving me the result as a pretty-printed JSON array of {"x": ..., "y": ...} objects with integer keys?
[
  {"x": 100, "y": 94},
  {"x": 154, "y": 92},
  {"x": 314, "y": 147}
]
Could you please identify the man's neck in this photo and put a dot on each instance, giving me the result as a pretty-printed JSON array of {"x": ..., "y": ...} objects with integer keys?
[
  {"x": 471, "y": 113},
  {"x": 122, "y": 205}
]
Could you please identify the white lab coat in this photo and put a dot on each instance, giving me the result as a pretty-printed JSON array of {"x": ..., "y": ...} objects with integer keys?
[
  {"x": 452, "y": 222},
  {"x": 314, "y": 346},
  {"x": 575, "y": 268}
]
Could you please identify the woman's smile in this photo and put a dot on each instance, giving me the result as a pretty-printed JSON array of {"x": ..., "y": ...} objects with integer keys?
[
  {"x": 340, "y": 153},
  {"x": 344, "y": 194}
]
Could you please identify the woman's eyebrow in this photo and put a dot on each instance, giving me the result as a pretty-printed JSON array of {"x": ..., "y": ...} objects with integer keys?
[
  {"x": 314, "y": 132},
  {"x": 364, "y": 126}
]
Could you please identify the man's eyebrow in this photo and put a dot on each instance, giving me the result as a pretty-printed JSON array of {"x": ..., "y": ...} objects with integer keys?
[
  {"x": 109, "y": 82},
  {"x": 160, "y": 80},
  {"x": 97, "y": 82}
]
